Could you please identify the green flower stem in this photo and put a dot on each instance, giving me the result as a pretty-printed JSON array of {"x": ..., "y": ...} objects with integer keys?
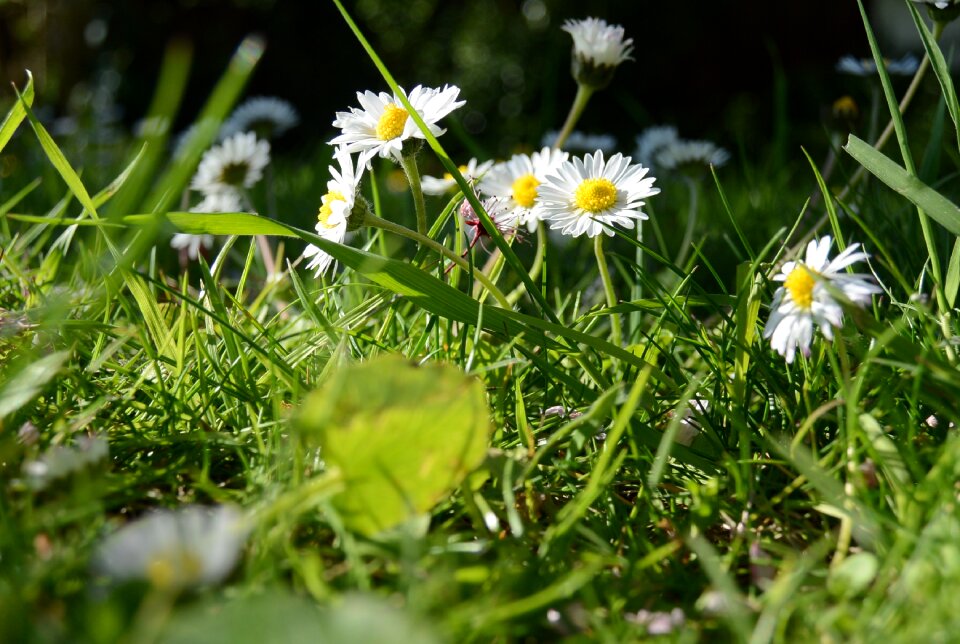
[
  {"x": 617, "y": 331},
  {"x": 376, "y": 222},
  {"x": 409, "y": 163},
  {"x": 579, "y": 104},
  {"x": 691, "y": 224},
  {"x": 534, "y": 273}
]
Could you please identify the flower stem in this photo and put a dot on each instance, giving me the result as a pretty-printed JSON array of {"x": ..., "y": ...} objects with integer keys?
[
  {"x": 534, "y": 273},
  {"x": 617, "y": 331},
  {"x": 579, "y": 103},
  {"x": 409, "y": 163},
  {"x": 691, "y": 224},
  {"x": 376, "y": 222}
]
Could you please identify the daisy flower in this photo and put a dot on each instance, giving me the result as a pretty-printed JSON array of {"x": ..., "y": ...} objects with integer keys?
[
  {"x": 690, "y": 155},
  {"x": 333, "y": 218},
  {"x": 597, "y": 43},
  {"x": 236, "y": 163},
  {"x": 941, "y": 10},
  {"x": 61, "y": 461},
  {"x": 516, "y": 182},
  {"x": 585, "y": 196},
  {"x": 381, "y": 124},
  {"x": 906, "y": 66},
  {"x": 582, "y": 142},
  {"x": 440, "y": 185},
  {"x": 805, "y": 297},
  {"x": 652, "y": 140},
  {"x": 175, "y": 549},
  {"x": 500, "y": 215},
  {"x": 190, "y": 245},
  {"x": 266, "y": 116}
]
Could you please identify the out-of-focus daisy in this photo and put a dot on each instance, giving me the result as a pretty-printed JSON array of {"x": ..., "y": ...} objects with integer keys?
[
  {"x": 190, "y": 245},
  {"x": 690, "y": 424},
  {"x": 62, "y": 460},
  {"x": 585, "y": 196},
  {"x": 597, "y": 50},
  {"x": 235, "y": 164},
  {"x": 517, "y": 182},
  {"x": 652, "y": 140},
  {"x": 582, "y": 142},
  {"x": 440, "y": 185},
  {"x": 906, "y": 66},
  {"x": 805, "y": 297},
  {"x": 336, "y": 209},
  {"x": 381, "y": 124},
  {"x": 690, "y": 155},
  {"x": 941, "y": 10},
  {"x": 175, "y": 549},
  {"x": 500, "y": 215},
  {"x": 266, "y": 116}
]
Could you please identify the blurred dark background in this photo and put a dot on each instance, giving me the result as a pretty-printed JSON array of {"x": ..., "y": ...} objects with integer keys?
[{"x": 715, "y": 69}]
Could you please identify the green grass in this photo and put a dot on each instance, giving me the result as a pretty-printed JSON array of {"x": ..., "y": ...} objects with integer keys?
[{"x": 816, "y": 503}]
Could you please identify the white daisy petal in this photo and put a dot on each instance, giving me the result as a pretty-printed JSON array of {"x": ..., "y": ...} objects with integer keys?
[{"x": 235, "y": 164}]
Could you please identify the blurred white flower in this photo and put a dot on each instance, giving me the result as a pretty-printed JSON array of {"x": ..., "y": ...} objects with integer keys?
[
  {"x": 598, "y": 43},
  {"x": 337, "y": 204},
  {"x": 906, "y": 66},
  {"x": 586, "y": 196},
  {"x": 235, "y": 164},
  {"x": 516, "y": 182},
  {"x": 381, "y": 124},
  {"x": 690, "y": 421},
  {"x": 681, "y": 154},
  {"x": 582, "y": 142},
  {"x": 60, "y": 461},
  {"x": 805, "y": 298},
  {"x": 267, "y": 116},
  {"x": 652, "y": 140},
  {"x": 175, "y": 549},
  {"x": 440, "y": 185}
]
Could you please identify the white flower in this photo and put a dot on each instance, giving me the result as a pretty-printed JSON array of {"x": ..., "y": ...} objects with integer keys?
[
  {"x": 226, "y": 201},
  {"x": 690, "y": 421},
  {"x": 582, "y": 142},
  {"x": 679, "y": 154},
  {"x": 440, "y": 185},
  {"x": 236, "y": 163},
  {"x": 503, "y": 218},
  {"x": 60, "y": 461},
  {"x": 267, "y": 116},
  {"x": 381, "y": 124},
  {"x": 652, "y": 140},
  {"x": 805, "y": 298},
  {"x": 585, "y": 196},
  {"x": 336, "y": 207},
  {"x": 516, "y": 182},
  {"x": 598, "y": 43},
  {"x": 175, "y": 549},
  {"x": 906, "y": 66}
]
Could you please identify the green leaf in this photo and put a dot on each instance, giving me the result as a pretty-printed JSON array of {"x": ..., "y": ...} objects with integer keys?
[
  {"x": 952, "y": 283},
  {"x": 402, "y": 437},
  {"x": 235, "y": 223},
  {"x": 14, "y": 117},
  {"x": 854, "y": 575},
  {"x": 940, "y": 68},
  {"x": 27, "y": 383},
  {"x": 941, "y": 209}
]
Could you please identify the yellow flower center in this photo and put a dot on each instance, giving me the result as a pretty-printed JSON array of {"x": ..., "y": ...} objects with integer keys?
[
  {"x": 390, "y": 125},
  {"x": 234, "y": 174},
  {"x": 800, "y": 283},
  {"x": 326, "y": 210},
  {"x": 165, "y": 570},
  {"x": 525, "y": 190},
  {"x": 449, "y": 177},
  {"x": 595, "y": 195},
  {"x": 846, "y": 107}
]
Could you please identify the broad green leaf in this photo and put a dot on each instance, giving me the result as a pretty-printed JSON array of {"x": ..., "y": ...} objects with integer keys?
[
  {"x": 941, "y": 209},
  {"x": 15, "y": 116},
  {"x": 26, "y": 384},
  {"x": 854, "y": 575},
  {"x": 402, "y": 437},
  {"x": 237, "y": 223}
]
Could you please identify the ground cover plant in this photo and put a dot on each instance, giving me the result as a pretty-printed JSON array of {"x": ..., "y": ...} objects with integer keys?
[{"x": 571, "y": 393}]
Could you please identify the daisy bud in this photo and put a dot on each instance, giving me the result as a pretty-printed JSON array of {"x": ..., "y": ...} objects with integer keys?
[
  {"x": 597, "y": 50},
  {"x": 941, "y": 10}
]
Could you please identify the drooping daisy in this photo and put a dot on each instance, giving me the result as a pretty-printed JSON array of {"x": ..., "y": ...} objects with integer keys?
[
  {"x": 941, "y": 10},
  {"x": 175, "y": 549},
  {"x": 190, "y": 245},
  {"x": 582, "y": 142},
  {"x": 805, "y": 298},
  {"x": 235, "y": 164},
  {"x": 266, "y": 116},
  {"x": 381, "y": 124},
  {"x": 336, "y": 209},
  {"x": 441, "y": 185},
  {"x": 690, "y": 155},
  {"x": 585, "y": 196},
  {"x": 596, "y": 42},
  {"x": 517, "y": 182},
  {"x": 652, "y": 140},
  {"x": 906, "y": 66}
]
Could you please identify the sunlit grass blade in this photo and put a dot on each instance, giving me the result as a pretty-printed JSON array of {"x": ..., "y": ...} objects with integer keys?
[{"x": 15, "y": 116}]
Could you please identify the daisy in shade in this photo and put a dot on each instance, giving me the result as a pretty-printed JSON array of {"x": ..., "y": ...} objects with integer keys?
[
  {"x": 517, "y": 182},
  {"x": 190, "y": 245},
  {"x": 234, "y": 165},
  {"x": 586, "y": 196},
  {"x": 441, "y": 185},
  {"x": 652, "y": 140},
  {"x": 266, "y": 116},
  {"x": 381, "y": 125},
  {"x": 336, "y": 209},
  {"x": 597, "y": 50},
  {"x": 690, "y": 156},
  {"x": 906, "y": 66},
  {"x": 582, "y": 142},
  {"x": 805, "y": 297},
  {"x": 175, "y": 549}
]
